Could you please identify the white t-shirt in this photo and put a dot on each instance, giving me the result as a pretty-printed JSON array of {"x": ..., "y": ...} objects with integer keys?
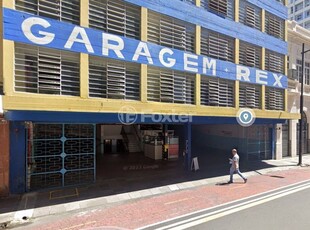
[{"x": 236, "y": 160}]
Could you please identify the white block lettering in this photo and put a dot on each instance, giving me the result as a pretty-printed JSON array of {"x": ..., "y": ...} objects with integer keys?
[{"x": 74, "y": 38}]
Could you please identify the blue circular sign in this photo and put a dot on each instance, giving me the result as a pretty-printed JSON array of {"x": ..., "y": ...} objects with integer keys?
[{"x": 245, "y": 117}]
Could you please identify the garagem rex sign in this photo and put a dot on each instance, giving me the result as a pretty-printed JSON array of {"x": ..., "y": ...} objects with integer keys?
[{"x": 35, "y": 30}]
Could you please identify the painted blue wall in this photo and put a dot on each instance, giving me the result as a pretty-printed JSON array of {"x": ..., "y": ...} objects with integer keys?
[
  {"x": 17, "y": 157},
  {"x": 200, "y": 16},
  {"x": 59, "y": 33}
]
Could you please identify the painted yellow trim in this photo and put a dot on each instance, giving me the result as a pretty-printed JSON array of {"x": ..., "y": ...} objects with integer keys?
[
  {"x": 198, "y": 3},
  {"x": 286, "y": 2},
  {"x": 285, "y": 65},
  {"x": 197, "y": 39},
  {"x": 8, "y": 4},
  {"x": 84, "y": 75},
  {"x": 285, "y": 100},
  {"x": 263, "y": 97},
  {"x": 237, "y": 10},
  {"x": 263, "y": 56},
  {"x": 237, "y": 50},
  {"x": 237, "y": 101},
  {"x": 84, "y": 12},
  {"x": 23, "y": 101},
  {"x": 143, "y": 83},
  {"x": 286, "y": 31},
  {"x": 8, "y": 67},
  {"x": 197, "y": 89},
  {"x": 143, "y": 26},
  {"x": 263, "y": 20}
]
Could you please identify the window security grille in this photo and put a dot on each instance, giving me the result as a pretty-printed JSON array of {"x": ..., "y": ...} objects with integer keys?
[
  {"x": 274, "y": 98},
  {"x": 216, "y": 45},
  {"x": 170, "y": 32},
  {"x": 249, "y": 96},
  {"x": 249, "y": 55},
  {"x": 274, "y": 62},
  {"x": 170, "y": 86},
  {"x": 42, "y": 70},
  {"x": 250, "y": 15},
  {"x": 113, "y": 79},
  {"x": 217, "y": 92},
  {"x": 221, "y": 7},
  {"x": 274, "y": 26},
  {"x": 115, "y": 16},
  {"x": 63, "y": 10}
]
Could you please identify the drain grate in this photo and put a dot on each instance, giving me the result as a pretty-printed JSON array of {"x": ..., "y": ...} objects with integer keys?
[{"x": 64, "y": 193}]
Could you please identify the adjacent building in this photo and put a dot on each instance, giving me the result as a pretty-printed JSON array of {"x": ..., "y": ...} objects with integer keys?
[
  {"x": 86, "y": 78},
  {"x": 299, "y": 11}
]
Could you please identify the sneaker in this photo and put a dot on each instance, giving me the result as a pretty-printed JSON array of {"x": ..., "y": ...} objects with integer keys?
[
  {"x": 230, "y": 182},
  {"x": 245, "y": 180}
]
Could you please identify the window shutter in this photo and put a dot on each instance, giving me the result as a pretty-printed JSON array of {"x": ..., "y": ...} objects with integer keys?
[
  {"x": 250, "y": 15},
  {"x": 274, "y": 26},
  {"x": 274, "y": 98},
  {"x": 249, "y": 55},
  {"x": 274, "y": 62},
  {"x": 63, "y": 10},
  {"x": 221, "y": 7},
  {"x": 217, "y": 92},
  {"x": 217, "y": 46},
  {"x": 113, "y": 79},
  {"x": 115, "y": 16},
  {"x": 170, "y": 32},
  {"x": 170, "y": 86},
  {"x": 41, "y": 70},
  {"x": 249, "y": 96}
]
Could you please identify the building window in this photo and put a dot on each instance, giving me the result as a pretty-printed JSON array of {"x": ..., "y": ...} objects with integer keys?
[
  {"x": 217, "y": 92},
  {"x": 62, "y": 10},
  {"x": 46, "y": 71},
  {"x": 170, "y": 86},
  {"x": 250, "y": 15},
  {"x": 115, "y": 16},
  {"x": 274, "y": 26},
  {"x": 217, "y": 45},
  {"x": 170, "y": 32},
  {"x": 274, "y": 98},
  {"x": 298, "y": 17},
  {"x": 223, "y": 8},
  {"x": 274, "y": 62},
  {"x": 306, "y": 73},
  {"x": 250, "y": 96},
  {"x": 113, "y": 79},
  {"x": 249, "y": 55},
  {"x": 299, "y": 6},
  {"x": 189, "y": 1}
]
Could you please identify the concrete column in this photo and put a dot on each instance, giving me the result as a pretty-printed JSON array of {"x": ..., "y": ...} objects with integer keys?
[
  {"x": 278, "y": 140},
  {"x": 293, "y": 137}
]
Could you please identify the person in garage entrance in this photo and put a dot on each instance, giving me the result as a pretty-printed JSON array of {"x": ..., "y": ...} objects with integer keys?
[{"x": 234, "y": 168}]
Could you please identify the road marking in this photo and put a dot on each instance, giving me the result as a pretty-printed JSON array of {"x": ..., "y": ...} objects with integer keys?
[
  {"x": 221, "y": 205},
  {"x": 235, "y": 208},
  {"x": 177, "y": 201}
]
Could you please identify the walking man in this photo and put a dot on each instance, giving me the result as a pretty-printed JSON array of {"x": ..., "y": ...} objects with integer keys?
[{"x": 235, "y": 166}]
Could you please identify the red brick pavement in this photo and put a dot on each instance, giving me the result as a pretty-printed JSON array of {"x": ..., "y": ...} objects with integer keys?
[{"x": 159, "y": 208}]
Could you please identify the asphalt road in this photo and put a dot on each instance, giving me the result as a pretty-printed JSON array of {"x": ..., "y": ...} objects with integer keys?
[{"x": 286, "y": 213}]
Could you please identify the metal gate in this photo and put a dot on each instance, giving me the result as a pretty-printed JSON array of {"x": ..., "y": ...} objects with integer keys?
[
  {"x": 285, "y": 140},
  {"x": 258, "y": 142},
  {"x": 60, "y": 155}
]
